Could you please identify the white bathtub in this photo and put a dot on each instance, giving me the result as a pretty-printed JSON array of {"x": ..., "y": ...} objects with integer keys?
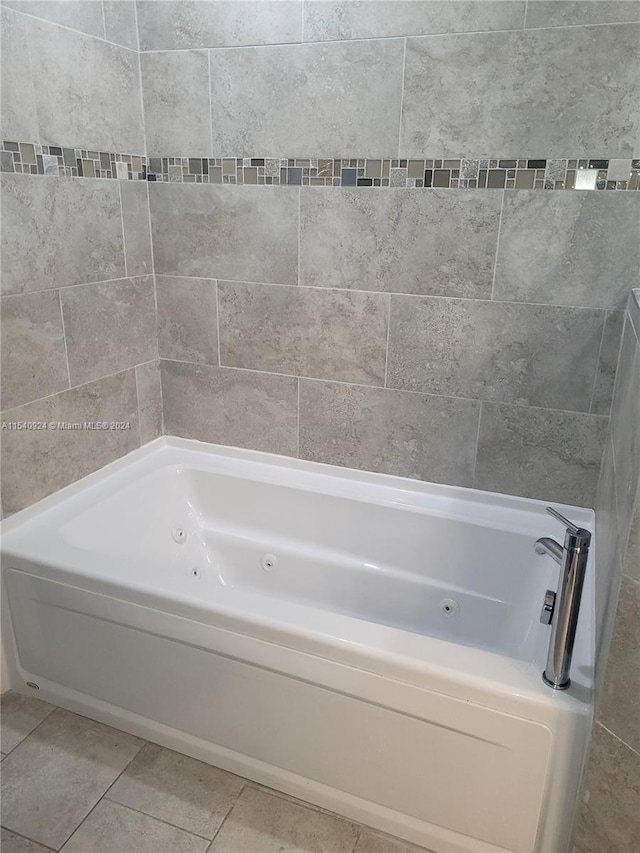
[{"x": 364, "y": 642}]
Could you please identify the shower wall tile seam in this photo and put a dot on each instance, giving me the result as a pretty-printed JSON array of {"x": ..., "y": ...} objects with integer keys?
[
  {"x": 102, "y": 39},
  {"x": 78, "y": 284},
  {"x": 392, "y": 390},
  {"x": 390, "y": 293},
  {"x": 6, "y": 412},
  {"x": 618, "y": 738},
  {"x": 339, "y": 41}
]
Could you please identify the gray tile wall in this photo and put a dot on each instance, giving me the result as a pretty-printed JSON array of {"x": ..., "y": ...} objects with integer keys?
[
  {"x": 392, "y": 78},
  {"x": 78, "y": 304},
  {"x": 71, "y": 87},
  {"x": 333, "y": 295},
  {"x": 609, "y": 821}
]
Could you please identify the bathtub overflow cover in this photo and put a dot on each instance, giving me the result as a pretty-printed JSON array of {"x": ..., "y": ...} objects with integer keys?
[
  {"x": 269, "y": 562},
  {"x": 179, "y": 535},
  {"x": 449, "y": 607}
]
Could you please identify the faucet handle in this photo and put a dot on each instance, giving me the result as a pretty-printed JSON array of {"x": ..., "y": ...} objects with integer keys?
[{"x": 571, "y": 527}]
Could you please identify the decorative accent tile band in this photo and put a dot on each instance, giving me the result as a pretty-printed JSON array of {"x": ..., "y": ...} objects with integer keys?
[{"x": 464, "y": 173}]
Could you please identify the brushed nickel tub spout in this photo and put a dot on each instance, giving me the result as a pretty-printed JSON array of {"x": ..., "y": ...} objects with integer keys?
[{"x": 562, "y": 608}]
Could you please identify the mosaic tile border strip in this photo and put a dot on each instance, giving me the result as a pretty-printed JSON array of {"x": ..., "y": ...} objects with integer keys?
[{"x": 464, "y": 173}]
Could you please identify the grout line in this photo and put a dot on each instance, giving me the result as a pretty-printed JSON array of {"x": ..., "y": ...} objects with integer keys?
[
  {"x": 597, "y": 370},
  {"x": 104, "y": 20},
  {"x": 386, "y": 352},
  {"x": 64, "y": 336},
  {"x": 526, "y": 10},
  {"x": 495, "y": 260},
  {"x": 404, "y": 65},
  {"x": 224, "y": 820},
  {"x": 614, "y": 735},
  {"x": 124, "y": 239},
  {"x": 69, "y": 29},
  {"x": 37, "y": 726},
  {"x": 30, "y": 840},
  {"x": 131, "y": 808},
  {"x": 298, "y": 416},
  {"x": 302, "y": 22},
  {"x": 381, "y": 388},
  {"x": 210, "y": 105},
  {"x": 384, "y": 292},
  {"x": 109, "y": 787},
  {"x": 218, "y": 323},
  {"x": 517, "y": 30},
  {"x": 71, "y": 388},
  {"x": 80, "y": 284}
]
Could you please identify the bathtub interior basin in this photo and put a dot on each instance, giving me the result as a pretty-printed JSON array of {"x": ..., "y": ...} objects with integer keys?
[{"x": 405, "y": 614}]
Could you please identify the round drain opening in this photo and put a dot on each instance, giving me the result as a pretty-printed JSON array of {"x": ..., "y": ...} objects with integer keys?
[
  {"x": 179, "y": 535},
  {"x": 449, "y": 607},
  {"x": 195, "y": 572},
  {"x": 269, "y": 562}
]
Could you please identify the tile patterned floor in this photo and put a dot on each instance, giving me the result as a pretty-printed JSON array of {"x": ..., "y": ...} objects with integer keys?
[{"x": 73, "y": 785}]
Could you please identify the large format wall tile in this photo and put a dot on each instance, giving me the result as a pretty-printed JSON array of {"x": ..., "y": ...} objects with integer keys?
[
  {"x": 308, "y": 100},
  {"x": 88, "y": 91},
  {"x": 437, "y": 242},
  {"x": 175, "y": 90},
  {"x": 326, "y": 20},
  {"x": 621, "y": 691},
  {"x": 563, "y": 13},
  {"x": 34, "y": 362},
  {"x": 176, "y": 24},
  {"x": 327, "y": 334},
  {"x": 225, "y": 406},
  {"x": 245, "y": 234},
  {"x": 607, "y": 363},
  {"x": 608, "y": 545},
  {"x": 134, "y": 199},
  {"x": 540, "y": 453},
  {"x": 76, "y": 14},
  {"x": 58, "y": 232},
  {"x": 120, "y": 22},
  {"x": 526, "y": 354},
  {"x": 610, "y": 818},
  {"x": 625, "y": 426},
  {"x": 149, "y": 400},
  {"x": 187, "y": 319},
  {"x": 393, "y": 432},
  {"x": 503, "y": 93},
  {"x": 36, "y": 463},
  {"x": 18, "y": 117},
  {"x": 109, "y": 327},
  {"x": 568, "y": 248}
]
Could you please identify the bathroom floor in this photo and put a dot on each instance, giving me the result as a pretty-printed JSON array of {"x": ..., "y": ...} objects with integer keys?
[{"x": 71, "y": 784}]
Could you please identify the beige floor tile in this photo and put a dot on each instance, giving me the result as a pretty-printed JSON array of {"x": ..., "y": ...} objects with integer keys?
[
  {"x": 374, "y": 842},
  {"x": 112, "y": 828},
  {"x": 19, "y": 715},
  {"x": 56, "y": 775},
  {"x": 263, "y": 823},
  {"x": 12, "y": 843},
  {"x": 180, "y": 790}
]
